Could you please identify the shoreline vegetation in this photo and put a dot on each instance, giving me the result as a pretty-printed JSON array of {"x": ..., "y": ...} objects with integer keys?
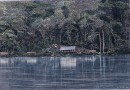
[
  {"x": 64, "y": 27},
  {"x": 63, "y": 55},
  {"x": 59, "y": 54}
]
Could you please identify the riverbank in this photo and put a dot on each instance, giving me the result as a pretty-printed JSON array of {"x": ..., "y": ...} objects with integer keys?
[{"x": 60, "y": 54}]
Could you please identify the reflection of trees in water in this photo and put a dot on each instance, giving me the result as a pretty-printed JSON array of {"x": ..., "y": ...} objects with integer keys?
[
  {"x": 88, "y": 67},
  {"x": 121, "y": 65},
  {"x": 42, "y": 70},
  {"x": 82, "y": 64}
]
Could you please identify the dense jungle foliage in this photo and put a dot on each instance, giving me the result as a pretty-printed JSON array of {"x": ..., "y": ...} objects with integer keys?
[{"x": 36, "y": 25}]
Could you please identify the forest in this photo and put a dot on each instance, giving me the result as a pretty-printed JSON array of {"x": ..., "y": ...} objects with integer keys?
[{"x": 33, "y": 26}]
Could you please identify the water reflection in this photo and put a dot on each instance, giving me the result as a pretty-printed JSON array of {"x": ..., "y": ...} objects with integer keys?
[{"x": 52, "y": 73}]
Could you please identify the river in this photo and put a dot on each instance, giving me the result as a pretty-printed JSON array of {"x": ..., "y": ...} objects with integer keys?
[{"x": 65, "y": 73}]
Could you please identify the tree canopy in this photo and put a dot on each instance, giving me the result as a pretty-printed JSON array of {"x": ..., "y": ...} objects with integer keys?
[{"x": 35, "y": 25}]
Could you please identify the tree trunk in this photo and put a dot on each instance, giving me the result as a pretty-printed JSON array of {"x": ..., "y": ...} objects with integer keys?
[
  {"x": 60, "y": 39},
  {"x": 103, "y": 41},
  {"x": 100, "y": 41},
  {"x": 85, "y": 35}
]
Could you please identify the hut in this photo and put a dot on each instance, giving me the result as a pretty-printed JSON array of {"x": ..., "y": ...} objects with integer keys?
[
  {"x": 4, "y": 53},
  {"x": 68, "y": 49},
  {"x": 31, "y": 53}
]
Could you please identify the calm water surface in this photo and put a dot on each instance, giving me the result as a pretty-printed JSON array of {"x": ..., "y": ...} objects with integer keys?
[{"x": 65, "y": 73}]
